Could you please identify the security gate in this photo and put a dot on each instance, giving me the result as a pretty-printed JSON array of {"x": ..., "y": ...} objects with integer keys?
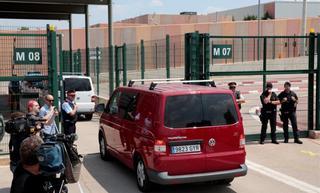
[{"x": 246, "y": 58}]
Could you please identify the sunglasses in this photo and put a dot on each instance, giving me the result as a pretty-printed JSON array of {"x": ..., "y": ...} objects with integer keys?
[{"x": 50, "y": 100}]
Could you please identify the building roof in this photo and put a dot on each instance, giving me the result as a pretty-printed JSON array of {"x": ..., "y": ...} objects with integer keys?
[{"x": 45, "y": 9}]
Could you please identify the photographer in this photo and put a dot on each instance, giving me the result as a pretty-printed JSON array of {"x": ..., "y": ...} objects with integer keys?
[
  {"x": 26, "y": 178},
  {"x": 22, "y": 127}
]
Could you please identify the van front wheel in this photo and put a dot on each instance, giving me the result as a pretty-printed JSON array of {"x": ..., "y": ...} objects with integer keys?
[{"x": 104, "y": 153}]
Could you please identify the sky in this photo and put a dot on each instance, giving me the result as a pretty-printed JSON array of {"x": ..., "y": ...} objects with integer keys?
[{"x": 123, "y": 9}]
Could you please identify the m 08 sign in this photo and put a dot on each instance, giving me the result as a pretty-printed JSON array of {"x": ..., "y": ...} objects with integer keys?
[
  {"x": 221, "y": 51},
  {"x": 27, "y": 56}
]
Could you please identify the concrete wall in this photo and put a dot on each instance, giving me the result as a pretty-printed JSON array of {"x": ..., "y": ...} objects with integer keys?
[
  {"x": 287, "y": 9},
  {"x": 133, "y": 34}
]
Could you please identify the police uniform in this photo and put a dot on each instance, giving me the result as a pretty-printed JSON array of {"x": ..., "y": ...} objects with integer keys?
[
  {"x": 288, "y": 111},
  {"x": 268, "y": 113},
  {"x": 68, "y": 121}
]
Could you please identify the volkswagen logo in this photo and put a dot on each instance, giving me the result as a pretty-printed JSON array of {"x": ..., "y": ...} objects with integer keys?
[{"x": 212, "y": 142}]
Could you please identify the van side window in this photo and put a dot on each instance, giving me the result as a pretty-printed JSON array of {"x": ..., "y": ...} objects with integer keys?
[
  {"x": 127, "y": 105},
  {"x": 113, "y": 104}
]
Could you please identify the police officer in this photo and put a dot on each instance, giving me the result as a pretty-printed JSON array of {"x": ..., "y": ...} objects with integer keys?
[
  {"x": 237, "y": 94},
  {"x": 69, "y": 113},
  {"x": 289, "y": 101},
  {"x": 269, "y": 101}
]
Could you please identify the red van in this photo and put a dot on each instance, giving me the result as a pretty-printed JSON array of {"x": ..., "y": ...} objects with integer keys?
[{"x": 174, "y": 133}]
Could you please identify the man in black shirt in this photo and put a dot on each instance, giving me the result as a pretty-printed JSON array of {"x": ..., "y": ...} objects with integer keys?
[
  {"x": 27, "y": 178},
  {"x": 269, "y": 101},
  {"x": 289, "y": 101}
]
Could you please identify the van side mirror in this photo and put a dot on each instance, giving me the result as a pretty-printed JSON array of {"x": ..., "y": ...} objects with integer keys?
[{"x": 99, "y": 108}]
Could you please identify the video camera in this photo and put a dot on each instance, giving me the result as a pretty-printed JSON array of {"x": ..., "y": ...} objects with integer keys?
[{"x": 21, "y": 123}]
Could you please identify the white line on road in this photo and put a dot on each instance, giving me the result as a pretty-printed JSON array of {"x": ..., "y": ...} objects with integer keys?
[
  {"x": 303, "y": 186},
  {"x": 80, "y": 188}
]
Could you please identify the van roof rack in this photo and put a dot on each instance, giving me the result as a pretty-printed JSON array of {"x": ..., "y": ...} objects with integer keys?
[
  {"x": 131, "y": 82},
  {"x": 154, "y": 84},
  {"x": 73, "y": 73}
]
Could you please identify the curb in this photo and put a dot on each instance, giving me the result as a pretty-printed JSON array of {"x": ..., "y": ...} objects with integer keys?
[{"x": 4, "y": 160}]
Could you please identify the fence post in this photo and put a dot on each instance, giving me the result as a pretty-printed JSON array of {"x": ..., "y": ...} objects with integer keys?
[
  {"x": 142, "y": 60},
  {"x": 264, "y": 62},
  {"x": 273, "y": 48},
  {"x": 241, "y": 50},
  {"x": 318, "y": 85},
  {"x": 79, "y": 61},
  {"x": 117, "y": 64},
  {"x": 75, "y": 63},
  {"x": 52, "y": 64},
  {"x": 168, "y": 55},
  {"x": 156, "y": 46},
  {"x": 311, "y": 81},
  {"x": 206, "y": 57},
  {"x": 174, "y": 55},
  {"x": 61, "y": 67},
  {"x": 194, "y": 56},
  {"x": 124, "y": 63},
  {"x": 98, "y": 57},
  {"x": 111, "y": 70},
  {"x": 187, "y": 56}
]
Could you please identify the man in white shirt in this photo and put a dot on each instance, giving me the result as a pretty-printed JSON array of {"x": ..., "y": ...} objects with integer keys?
[{"x": 49, "y": 113}]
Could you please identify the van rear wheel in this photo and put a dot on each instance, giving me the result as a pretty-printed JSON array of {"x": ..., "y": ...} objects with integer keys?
[
  {"x": 143, "y": 182},
  {"x": 89, "y": 116},
  {"x": 225, "y": 181}
]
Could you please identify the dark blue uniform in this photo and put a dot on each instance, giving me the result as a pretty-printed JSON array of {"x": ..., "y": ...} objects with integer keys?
[
  {"x": 268, "y": 113},
  {"x": 288, "y": 111}
]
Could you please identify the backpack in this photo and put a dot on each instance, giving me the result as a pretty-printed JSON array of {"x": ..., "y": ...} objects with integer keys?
[{"x": 50, "y": 158}]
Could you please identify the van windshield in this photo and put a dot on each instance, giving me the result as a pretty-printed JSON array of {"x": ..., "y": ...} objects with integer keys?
[
  {"x": 200, "y": 110},
  {"x": 77, "y": 84}
]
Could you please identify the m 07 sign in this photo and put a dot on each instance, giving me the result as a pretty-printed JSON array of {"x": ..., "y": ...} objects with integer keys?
[
  {"x": 27, "y": 56},
  {"x": 221, "y": 51}
]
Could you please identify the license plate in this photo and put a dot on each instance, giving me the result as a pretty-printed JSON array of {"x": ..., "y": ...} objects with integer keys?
[{"x": 185, "y": 149}]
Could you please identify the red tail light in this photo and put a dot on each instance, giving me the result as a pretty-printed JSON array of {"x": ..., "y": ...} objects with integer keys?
[
  {"x": 160, "y": 146},
  {"x": 242, "y": 141},
  {"x": 93, "y": 99}
]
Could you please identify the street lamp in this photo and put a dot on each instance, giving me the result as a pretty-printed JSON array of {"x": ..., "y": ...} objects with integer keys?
[{"x": 258, "y": 30}]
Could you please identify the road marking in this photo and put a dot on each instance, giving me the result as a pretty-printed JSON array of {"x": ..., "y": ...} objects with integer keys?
[
  {"x": 309, "y": 153},
  {"x": 303, "y": 186},
  {"x": 80, "y": 188}
]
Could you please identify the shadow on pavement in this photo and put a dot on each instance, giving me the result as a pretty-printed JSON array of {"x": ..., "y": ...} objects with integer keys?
[
  {"x": 5, "y": 190},
  {"x": 114, "y": 177}
]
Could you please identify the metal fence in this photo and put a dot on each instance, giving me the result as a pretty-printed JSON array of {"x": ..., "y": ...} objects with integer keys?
[{"x": 27, "y": 72}]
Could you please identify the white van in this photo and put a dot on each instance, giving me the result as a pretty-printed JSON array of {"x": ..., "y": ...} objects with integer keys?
[{"x": 85, "y": 97}]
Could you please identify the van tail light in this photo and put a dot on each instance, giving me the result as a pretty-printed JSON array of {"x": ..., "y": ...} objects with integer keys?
[
  {"x": 160, "y": 146},
  {"x": 93, "y": 99},
  {"x": 242, "y": 141}
]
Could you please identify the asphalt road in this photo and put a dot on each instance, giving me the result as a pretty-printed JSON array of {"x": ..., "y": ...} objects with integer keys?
[{"x": 273, "y": 168}]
